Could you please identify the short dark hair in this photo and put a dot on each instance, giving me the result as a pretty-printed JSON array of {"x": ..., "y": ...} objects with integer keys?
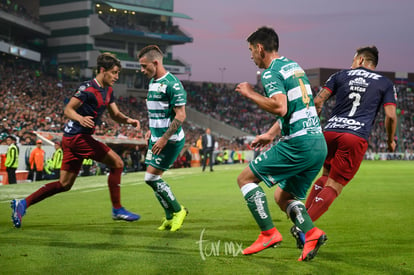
[
  {"x": 265, "y": 36},
  {"x": 107, "y": 61},
  {"x": 370, "y": 54},
  {"x": 12, "y": 137},
  {"x": 153, "y": 51}
]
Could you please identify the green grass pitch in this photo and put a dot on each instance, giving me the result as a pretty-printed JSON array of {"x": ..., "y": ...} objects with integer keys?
[{"x": 370, "y": 228}]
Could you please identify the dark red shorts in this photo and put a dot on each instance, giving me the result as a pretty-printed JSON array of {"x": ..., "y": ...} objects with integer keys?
[
  {"x": 345, "y": 154},
  {"x": 80, "y": 147}
]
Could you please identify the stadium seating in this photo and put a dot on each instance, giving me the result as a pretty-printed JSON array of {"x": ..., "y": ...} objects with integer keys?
[{"x": 31, "y": 100}]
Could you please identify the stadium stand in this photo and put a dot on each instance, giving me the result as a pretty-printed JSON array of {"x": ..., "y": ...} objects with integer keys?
[
  {"x": 224, "y": 104},
  {"x": 33, "y": 94},
  {"x": 27, "y": 93}
]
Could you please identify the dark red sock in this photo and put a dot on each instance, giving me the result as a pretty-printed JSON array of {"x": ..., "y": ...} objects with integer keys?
[
  {"x": 322, "y": 202},
  {"x": 44, "y": 192},
  {"x": 114, "y": 182},
  {"x": 316, "y": 188}
]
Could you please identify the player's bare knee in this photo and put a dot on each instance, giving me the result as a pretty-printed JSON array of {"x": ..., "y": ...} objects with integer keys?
[
  {"x": 119, "y": 165},
  {"x": 241, "y": 181},
  {"x": 116, "y": 163},
  {"x": 334, "y": 185},
  {"x": 282, "y": 198},
  {"x": 66, "y": 187},
  {"x": 245, "y": 177},
  {"x": 280, "y": 202}
]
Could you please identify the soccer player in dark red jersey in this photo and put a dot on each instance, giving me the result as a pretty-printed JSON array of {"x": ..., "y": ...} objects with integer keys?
[
  {"x": 84, "y": 111},
  {"x": 360, "y": 92}
]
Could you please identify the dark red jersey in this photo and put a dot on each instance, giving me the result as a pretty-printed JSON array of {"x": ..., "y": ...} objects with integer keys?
[
  {"x": 359, "y": 95},
  {"x": 95, "y": 99}
]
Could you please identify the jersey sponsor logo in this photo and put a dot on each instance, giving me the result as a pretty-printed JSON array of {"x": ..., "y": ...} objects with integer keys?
[
  {"x": 261, "y": 157},
  {"x": 270, "y": 84},
  {"x": 267, "y": 75},
  {"x": 298, "y": 212},
  {"x": 163, "y": 187},
  {"x": 158, "y": 161},
  {"x": 318, "y": 187},
  {"x": 271, "y": 88},
  {"x": 358, "y": 85},
  {"x": 68, "y": 126},
  {"x": 311, "y": 122},
  {"x": 291, "y": 69},
  {"x": 364, "y": 74},
  {"x": 179, "y": 97},
  {"x": 318, "y": 199},
  {"x": 360, "y": 81},
  {"x": 344, "y": 123},
  {"x": 179, "y": 100},
  {"x": 177, "y": 86},
  {"x": 257, "y": 200},
  {"x": 155, "y": 96}
]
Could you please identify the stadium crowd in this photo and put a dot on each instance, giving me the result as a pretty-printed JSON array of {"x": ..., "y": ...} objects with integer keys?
[
  {"x": 31, "y": 100},
  {"x": 222, "y": 103}
]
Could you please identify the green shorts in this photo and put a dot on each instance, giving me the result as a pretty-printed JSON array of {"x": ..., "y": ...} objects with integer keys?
[
  {"x": 293, "y": 164},
  {"x": 166, "y": 158}
]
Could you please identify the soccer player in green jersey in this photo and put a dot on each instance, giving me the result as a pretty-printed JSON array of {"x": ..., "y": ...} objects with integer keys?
[
  {"x": 295, "y": 160},
  {"x": 166, "y": 110}
]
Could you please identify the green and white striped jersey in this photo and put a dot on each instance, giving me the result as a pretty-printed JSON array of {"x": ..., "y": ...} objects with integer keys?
[
  {"x": 287, "y": 77},
  {"x": 164, "y": 94}
]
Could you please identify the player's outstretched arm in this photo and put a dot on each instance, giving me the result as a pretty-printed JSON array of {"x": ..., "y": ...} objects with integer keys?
[
  {"x": 277, "y": 104},
  {"x": 262, "y": 140},
  {"x": 390, "y": 125},
  {"x": 119, "y": 117}
]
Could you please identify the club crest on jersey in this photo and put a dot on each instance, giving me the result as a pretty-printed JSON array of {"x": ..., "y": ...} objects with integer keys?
[
  {"x": 358, "y": 84},
  {"x": 161, "y": 88}
]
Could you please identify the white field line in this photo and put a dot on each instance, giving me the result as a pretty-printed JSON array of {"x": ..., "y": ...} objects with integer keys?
[{"x": 10, "y": 192}]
